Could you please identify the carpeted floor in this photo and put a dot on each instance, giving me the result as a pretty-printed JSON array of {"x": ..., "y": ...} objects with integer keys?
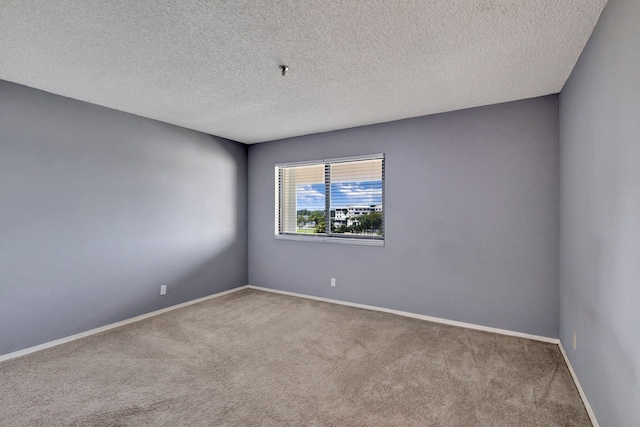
[{"x": 254, "y": 358}]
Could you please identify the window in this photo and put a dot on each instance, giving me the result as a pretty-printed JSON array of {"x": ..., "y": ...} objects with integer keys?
[{"x": 336, "y": 200}]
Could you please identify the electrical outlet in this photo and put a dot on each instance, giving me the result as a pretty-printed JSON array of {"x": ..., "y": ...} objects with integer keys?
[
  {"x": 163, "y": 289},
  {"x": 333, "y": 282},
  {"x": 574, "y": 341}
]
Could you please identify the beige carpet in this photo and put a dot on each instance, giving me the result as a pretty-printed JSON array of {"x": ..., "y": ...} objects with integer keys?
[{"x": 253, "y": 358}]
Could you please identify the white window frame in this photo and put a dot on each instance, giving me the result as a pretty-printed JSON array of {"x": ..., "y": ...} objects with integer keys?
[{"x": 329, "y": 237}]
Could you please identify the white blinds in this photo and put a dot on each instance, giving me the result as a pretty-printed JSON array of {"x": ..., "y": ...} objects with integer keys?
[
  {"x": 356, "y": 198},
  {"x": 301, "y": 189},
  {"x": 357, "y": 183},
  {"x": 361, "y": 170},
  {"x": 337, "y": 198}
]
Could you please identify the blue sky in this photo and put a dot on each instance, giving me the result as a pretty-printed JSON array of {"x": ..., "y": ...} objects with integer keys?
[{"x": 343, "y": 194}]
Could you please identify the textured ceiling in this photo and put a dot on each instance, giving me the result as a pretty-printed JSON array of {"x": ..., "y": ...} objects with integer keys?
[{"x": 213, "y": 65}]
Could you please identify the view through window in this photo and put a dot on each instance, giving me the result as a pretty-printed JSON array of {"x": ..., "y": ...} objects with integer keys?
[{"x": 347, "y": 194}]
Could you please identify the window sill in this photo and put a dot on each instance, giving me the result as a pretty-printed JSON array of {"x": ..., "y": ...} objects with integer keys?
[{"x": 330, "y": 239}]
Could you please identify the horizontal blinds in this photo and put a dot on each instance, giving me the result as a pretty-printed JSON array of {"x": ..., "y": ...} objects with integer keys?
[
  {"x": 356, "y": 183},
  {"x": 364, "y": 170},
  {"x": 356, "y": 198},
  {"x": 346, "y": 193},
  {"x": 301, "y": 188},
  {"x": 303, "y": 175}
]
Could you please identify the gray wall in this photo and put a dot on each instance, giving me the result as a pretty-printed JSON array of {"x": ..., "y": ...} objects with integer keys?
[
  {"x": 600, "y": 216},
  {"x": 98, "y": 208},
  {"x": 471, "y": 218}
]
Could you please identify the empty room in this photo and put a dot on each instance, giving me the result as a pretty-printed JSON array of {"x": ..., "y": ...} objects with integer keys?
[{"x": 320, "y": 213}]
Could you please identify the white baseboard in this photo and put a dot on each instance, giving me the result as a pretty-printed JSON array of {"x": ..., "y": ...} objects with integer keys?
[
  {"x": 583, "y": 396},
  {"x": 592, "y": 415},
  {"x": 415, "y": 316},
  {"x": 556, "y": 341},
  {"x": 70, "y": 338},
  {"x": 113, "y": 325}
]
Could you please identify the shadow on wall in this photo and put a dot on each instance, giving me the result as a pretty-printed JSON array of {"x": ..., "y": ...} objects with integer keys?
[
  {"x": 98, "y": 208},
  {"x": 203, "y": 240}
]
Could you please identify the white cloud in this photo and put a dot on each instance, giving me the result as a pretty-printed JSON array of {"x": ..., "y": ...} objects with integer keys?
[
  {"x": 307, "y": 193},
  {"x": 308, "y": 197},
  {"x": 355, "y": 191},
  {"x": 358, "y": 194}
]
